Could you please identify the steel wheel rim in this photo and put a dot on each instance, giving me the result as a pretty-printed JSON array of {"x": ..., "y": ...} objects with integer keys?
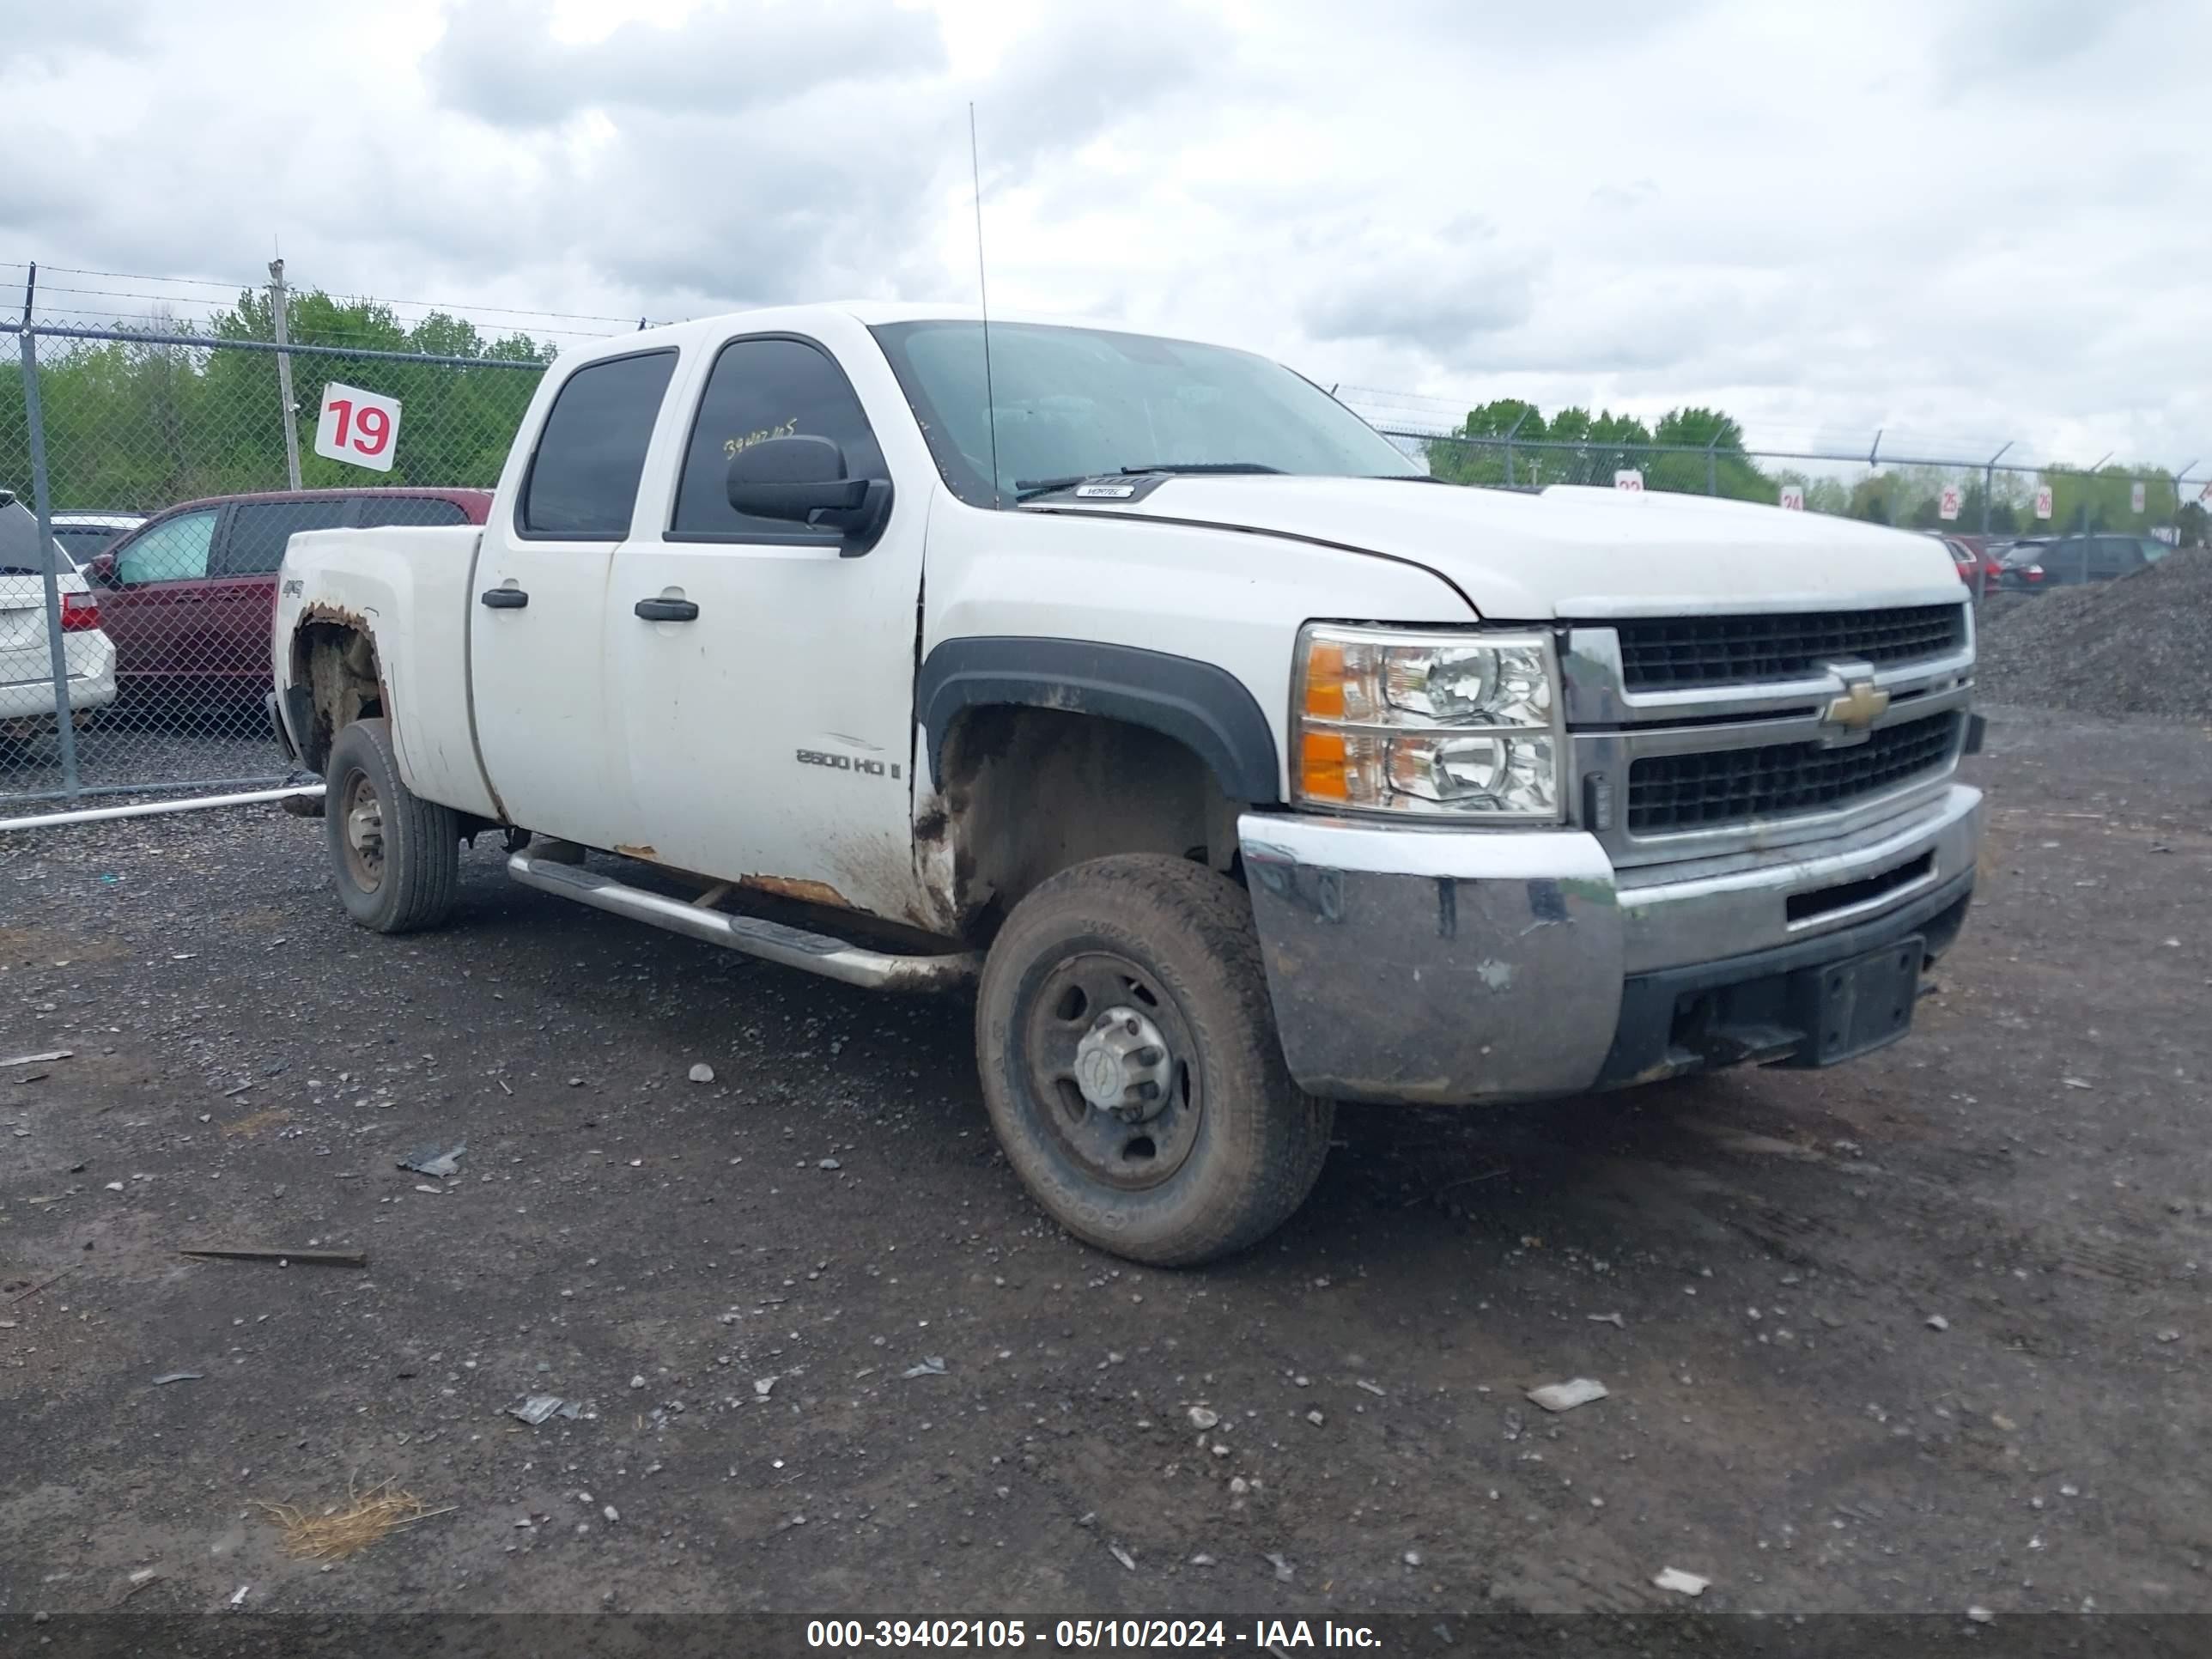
[
  {"x": 361, "y": 826},
  {"x": 1144, "y": 1144}
]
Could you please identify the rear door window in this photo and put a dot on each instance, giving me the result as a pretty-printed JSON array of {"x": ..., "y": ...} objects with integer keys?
[
  {"x": 2110, "y": 556},
  {"x": 376, "y": 511},
  {"x": 584, "y": 476},
  {"x": 258, "y": 530},
  {"x": 175, "y": 550}
]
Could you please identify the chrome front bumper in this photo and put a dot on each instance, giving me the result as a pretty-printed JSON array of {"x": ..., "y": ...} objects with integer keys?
[{"x": 1452, "y": 966}]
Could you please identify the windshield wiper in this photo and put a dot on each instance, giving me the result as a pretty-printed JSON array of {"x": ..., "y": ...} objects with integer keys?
[
  {"x": 1025, "y": 488},
  {"x": 1202, "y": 466}
]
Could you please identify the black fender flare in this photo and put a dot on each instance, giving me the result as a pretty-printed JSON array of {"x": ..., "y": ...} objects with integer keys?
[{"x": 1199, "y": 704}]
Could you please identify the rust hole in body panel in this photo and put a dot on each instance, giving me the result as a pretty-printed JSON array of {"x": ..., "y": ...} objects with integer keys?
[{"x": 793, "y": 887}]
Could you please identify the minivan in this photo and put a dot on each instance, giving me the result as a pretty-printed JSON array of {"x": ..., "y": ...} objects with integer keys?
[{"x": 188, "y": 596}]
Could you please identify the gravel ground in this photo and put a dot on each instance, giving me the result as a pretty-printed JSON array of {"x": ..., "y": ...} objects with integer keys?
[
  {"x": 1919, "y": 1334},
  {"x": 2139, "y": 646}
]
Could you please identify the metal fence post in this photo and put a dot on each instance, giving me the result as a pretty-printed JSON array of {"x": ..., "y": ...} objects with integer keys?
[
  {"x": 42, "y": 505},
  {"x": 1988, "y": 489},
  {"x": 1510, "y": 431},
  {"x": 277, "y": 307},
  {"x": 1712, "y": 466}
]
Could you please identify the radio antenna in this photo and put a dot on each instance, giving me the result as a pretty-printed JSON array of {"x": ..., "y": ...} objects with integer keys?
[{"x": 983, "y": 290}]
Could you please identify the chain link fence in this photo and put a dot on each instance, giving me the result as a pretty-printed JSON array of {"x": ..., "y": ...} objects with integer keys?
[
  {"x": 169, "y": 468},
  {"x": 2014, "y": 527}
]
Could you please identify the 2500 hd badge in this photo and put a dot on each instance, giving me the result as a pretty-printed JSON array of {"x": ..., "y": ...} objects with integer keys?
[{"x": 874, "y": 769}]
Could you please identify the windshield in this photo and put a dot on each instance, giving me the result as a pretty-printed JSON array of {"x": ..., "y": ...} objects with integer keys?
[
  {"x": 1079, "y": 401},
  {"x": 20, "y": 553}
]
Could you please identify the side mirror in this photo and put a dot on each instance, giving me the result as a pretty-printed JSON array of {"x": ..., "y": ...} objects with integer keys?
[
  {"x": 802, "y": 480},
  {"x": 99, "y": 571}
]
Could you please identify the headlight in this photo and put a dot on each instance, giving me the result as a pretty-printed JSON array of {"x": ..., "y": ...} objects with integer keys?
[{"x": 1456, "y": 725}]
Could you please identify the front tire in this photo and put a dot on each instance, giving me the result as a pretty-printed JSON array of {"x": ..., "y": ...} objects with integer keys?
[
  {"x": 396, "y": 857},
  {"x": 1130, "y": 1066}
]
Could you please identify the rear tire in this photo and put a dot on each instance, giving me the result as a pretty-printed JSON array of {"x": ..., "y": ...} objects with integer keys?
[
  {"x": 1136, "y": 980},
  {"x": 396, "y": 857}
]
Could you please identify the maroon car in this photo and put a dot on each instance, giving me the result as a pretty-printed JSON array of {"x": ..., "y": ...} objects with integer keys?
[
  {"x": 188, "y": 596},
  {"x": 1977, "y": 565}
]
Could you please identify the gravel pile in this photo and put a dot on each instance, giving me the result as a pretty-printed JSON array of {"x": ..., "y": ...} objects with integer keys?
[{"x": 2142, "y": 645}]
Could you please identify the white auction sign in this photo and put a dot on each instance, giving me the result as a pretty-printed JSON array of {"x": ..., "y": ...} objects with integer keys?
[
  {"x": 2136, "y": 497},
  {"x": 2042, "y": 503},
  {"x": 1947, "y": 504},
  {"x": 1628, "y": 477},
  {"x": 1793, "y": 497},
  {"x": 360, "y": 428}
]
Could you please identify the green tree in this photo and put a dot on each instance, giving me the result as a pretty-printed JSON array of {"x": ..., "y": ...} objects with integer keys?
[
  {"x": 1577, "y": 446},
  {"x": 1827, "y": 495},
  {"x": 136, "y": 425},
  {"x": 2104, "y": 499},
  {"x": 1726, "y": 470},
  {"x": 1822, "y": 495},
  {"x": 1476, "y": 453}
]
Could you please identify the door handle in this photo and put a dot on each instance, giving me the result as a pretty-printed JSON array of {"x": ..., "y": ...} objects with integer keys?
[
  {"x": 667, "y": 610},
  {"x": 503, "y": 599}
]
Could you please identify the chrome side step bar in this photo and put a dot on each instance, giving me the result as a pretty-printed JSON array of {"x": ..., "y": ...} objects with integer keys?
[{"x": 794, "y": 947}]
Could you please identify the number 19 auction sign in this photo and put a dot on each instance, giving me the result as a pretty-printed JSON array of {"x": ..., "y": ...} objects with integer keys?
[{"x": 360, "y": 428}]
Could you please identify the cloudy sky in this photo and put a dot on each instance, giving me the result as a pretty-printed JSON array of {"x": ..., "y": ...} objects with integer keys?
[{"x": 1963, "y": 220}]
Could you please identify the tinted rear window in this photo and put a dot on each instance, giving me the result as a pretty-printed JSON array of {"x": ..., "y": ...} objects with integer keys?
[
  {"x": 20, "y": 552},
  {"x": 379, "y": 510},
  {"x": 591, "y": 454},
  {"x": 258, "y": 530},
  {"x": 83, "y": 540}
]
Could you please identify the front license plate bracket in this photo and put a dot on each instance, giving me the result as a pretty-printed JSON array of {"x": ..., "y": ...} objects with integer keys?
[{"x": 1863, "y": 1003}]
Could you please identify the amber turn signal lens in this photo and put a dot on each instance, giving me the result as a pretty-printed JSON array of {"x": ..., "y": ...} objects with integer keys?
[
  {"x": 1322, "y": 767},
  {"x": 1325, "y": 681}
]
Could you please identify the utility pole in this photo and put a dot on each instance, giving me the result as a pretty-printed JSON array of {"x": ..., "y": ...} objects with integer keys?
[{"x": 277, "y": 309}]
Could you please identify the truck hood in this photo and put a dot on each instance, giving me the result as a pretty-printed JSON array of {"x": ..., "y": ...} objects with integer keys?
[{"x": 1572, "y": 553}]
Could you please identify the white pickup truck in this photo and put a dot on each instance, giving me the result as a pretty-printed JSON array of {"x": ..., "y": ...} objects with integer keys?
[{"x": 1242, "y": 768}]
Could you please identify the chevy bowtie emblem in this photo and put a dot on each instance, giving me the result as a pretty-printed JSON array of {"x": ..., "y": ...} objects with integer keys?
[{"x": 1862, "y": 704}]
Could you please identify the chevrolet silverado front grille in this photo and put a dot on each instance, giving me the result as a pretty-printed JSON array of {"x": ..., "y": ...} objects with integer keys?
[
  {"x": 1717, "y": 787},
  {"x": 1668, "y": 653}
]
